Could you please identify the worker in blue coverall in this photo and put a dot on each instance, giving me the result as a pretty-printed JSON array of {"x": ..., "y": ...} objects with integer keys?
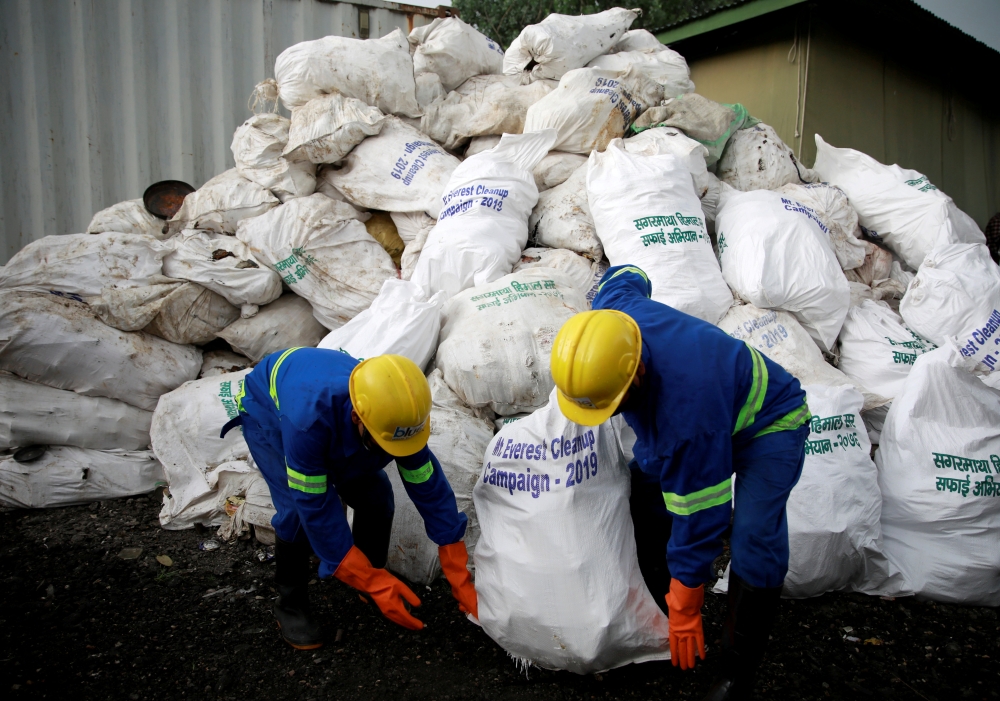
[
  {"x": 322, "y": 426},
  {"x": 704, "y": 407}
]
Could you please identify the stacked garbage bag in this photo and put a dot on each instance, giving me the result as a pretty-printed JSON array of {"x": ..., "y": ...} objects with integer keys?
[{"x": 438, "y": 197}]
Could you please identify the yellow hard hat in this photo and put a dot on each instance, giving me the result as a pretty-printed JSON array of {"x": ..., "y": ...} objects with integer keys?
[
  {"x": 393, "y": 399},
  {"x": 594, "y": 358}
]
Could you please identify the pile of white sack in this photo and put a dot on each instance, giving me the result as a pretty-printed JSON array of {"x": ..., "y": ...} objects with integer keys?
[{"x": 437, "y": 197}]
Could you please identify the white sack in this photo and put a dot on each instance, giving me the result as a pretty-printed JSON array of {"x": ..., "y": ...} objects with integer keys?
[
  {"x": 556, "y": 168},
  {"x": 938, "y": 455},
  {"x": 663, "y": 140},
  {"x": 562, "y": 219},
  {"x": 496, "y": 340},
  {"x": 257, "y": 148},
  {"x": 897, "y": 205},
  {"x": 584, "y": 273},
  {"x": 666, "y": 67},
  {"x": 287, "y": 322},
  {"x": 648, "y": 215},
  {"x": 637, "y": 40},
  {"x": 483, "y": 105},
  {"x": 128, "y": 217},
  {"x": 708, "y": 122},
  {"x": 556, "y": 567},
  {"x": 323, "y": 253},
  {"x": 400, "y": 170},
  {"x": 326, "y": 128},
  {"x": 221, "y": 362},
  {"x": 781, "y": 338},
  {"x": 224, "y": 265},
  {"x": 835, "y": 213},
  {"x": 84, "y": 264},
  {"x": 478, "y": 144},
  {"x": 401, "y": 320},
  {"x": 560, "y": 43},
  {"x": 411, "y": 253},
  {"x": 67, "y": 475},
  {"x": 757, "y": 159},
  {"x": 454, "y": 51},
  {"x": 34, "y": 414},
  {"x": 378, "y": 72},
  {"x": 592, "y": 106},
  {"x": 955, "y": 298},
  {"x": 877, "y": 350},
  {"x": 58, "y": 342},
  {"x": 483, "y": 225},
  {"x": 221, "y": 203},
  {"x": 775, "y": 255},
  {"x": 410, "y": 225},
  {"x": 458, "y": 440}
]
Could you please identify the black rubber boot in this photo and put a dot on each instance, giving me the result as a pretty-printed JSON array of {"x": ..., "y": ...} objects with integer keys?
[
  {"x": 291, "y": 610},
  {"x": 750, "y": 615}
]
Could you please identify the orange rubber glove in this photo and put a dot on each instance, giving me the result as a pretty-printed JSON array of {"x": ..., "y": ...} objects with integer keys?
[
  {"x": 686, "y": 634},
  {"x": 356, "y": 571},
  {"x": 454, "y": 559}
]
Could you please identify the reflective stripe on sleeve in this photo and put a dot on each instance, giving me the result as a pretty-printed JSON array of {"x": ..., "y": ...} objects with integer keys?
[
  {"x": 789, "y": 421},
  {"x": 626, "y": 269},
  {"x": 310, "y": 484},
  {"x": 758, "y": 388},
  {"x": 274, "y": 375},
  {"x": 239, "y": 396},
  {"x": 418, "y": 476},
  {"x": 687, "y": 504}
]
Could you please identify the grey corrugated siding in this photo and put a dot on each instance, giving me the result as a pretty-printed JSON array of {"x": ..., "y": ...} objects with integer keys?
[{"x": 100, "y": 98}]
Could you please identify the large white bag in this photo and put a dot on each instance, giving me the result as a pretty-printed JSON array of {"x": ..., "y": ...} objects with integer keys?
[
  {"x": 955, "y": 298},
  {"x": 85, "y": 264},
  {"x": 66, "y": 475},
  {"x": 326, "y": 128},
  {"x": 585, "y": 273},
  {"x": 128, "y": 217},
  {"x": 781, "y": 338},
  {"x": 657, "y": 141},
  {"x": 562, "y": 218},
  {"x": 757, "y": 159},
  {"x": 666, "y": 67},
  {"x": 323, "y": 253},
  {"x": 453, "y": 50},
  {"x": 34, "y": 414},
  {"x": 400, "y": 170},
  {"x": 775, "y": 256},
  {"x": 556, "y": 168},
  {"x": 560, "y": 43},
  {"x": 458, "y": 440},
  {"x": 496, "y": 340},
  {"x": 708, "y": 122},
  {"x": 483, "y": 225},
  {"x": 60, "y": 343},
  {"x": 592, "y": 106},
  {"x": 648, "y": 214},
  {"x": 637, "y": 40},
  {"x": 898, "y": 205},
  {"x": 556, "y": 567},
  {"x": 257, "y": 147},
  {"x": 877, "y": 350},
  {"x": 939, "y": 467},
  {"x": 483, "y": 105},
  {"x": 837, "y": 216},
  {"x": 185, "y": 438},
  {"x": 222, "y": 264},
  {"x": 221, "y": 203},
  {"x": 401, "y": 320},
  {"x": 378, "y": 72},
  {"x": 287, "y": 322}
]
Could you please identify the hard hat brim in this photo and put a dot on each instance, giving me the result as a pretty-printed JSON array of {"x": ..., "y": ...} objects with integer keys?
[
  {"x": 587, "y": 417},
  {"x": 407, "y": 446}
]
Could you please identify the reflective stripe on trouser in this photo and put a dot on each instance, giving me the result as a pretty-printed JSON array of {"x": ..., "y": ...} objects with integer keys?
[
  {"x": 274, "y": 376},
  {"x": 310, "y": 484},
  {"x": 687, "y": 504},
  {"x": 758, "y": 389}
]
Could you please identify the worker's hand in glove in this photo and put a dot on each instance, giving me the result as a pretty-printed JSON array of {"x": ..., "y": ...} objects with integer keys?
[
  {"x": 388, "y": 592},
  {"x": 454, "y": 559},
  {"x": 686, "y": 634}
]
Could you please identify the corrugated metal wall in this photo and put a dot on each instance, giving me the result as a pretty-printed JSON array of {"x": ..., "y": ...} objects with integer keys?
[{"x": 100, "y": 98}]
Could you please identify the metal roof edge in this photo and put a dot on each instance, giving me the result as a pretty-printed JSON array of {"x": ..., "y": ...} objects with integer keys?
[
  {"x": 439, "y": 11},
  {"x": 724, "y": 18}
]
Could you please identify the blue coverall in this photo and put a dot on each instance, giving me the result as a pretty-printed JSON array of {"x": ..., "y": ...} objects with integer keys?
[
  {"x": 710, "y": 406},
  {"x": 295, "y": 410}
]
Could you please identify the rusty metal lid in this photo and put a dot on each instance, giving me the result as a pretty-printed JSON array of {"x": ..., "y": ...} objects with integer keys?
[{"x": 164, "y": 198}]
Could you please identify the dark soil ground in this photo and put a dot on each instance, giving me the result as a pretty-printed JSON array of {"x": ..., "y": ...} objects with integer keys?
[{"x": 78, "y": 621}]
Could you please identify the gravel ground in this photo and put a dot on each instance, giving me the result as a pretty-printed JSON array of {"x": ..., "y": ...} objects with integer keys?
[{"x": 76, "y": 617}]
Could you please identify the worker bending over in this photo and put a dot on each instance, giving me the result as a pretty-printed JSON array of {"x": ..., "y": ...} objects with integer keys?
[
  {"x": 322, "y": 427},
  {"x": 704, "y": 407}
]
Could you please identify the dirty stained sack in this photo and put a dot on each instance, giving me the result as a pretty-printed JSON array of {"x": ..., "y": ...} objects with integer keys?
[
  {"x": 496, "y": 339},
  {"x": 830, "y": 205},
  {"x": 592, "y": 106},
  {"x": 286, "y": 322},
  {"x": 323, "y": 253},
  {"x": 221, "y": 362},
  {"x": 400, "y": 170},
  {"x": 637, "y": 40},
  {"x": 221, "y": 203},
  {"x": 128, "y": 217},
  {"x": 483, "y": 225},
  {"x": 379, "y": 72},
  {"x": 85, "y": 264},
  {"x": 556, "y": 168},
  {"x": 555, "y": 590},
  {"x": 59, "y": 342},
  {"x": 756, "y": 158},
  {"x": 708, "y": 122},
  {"x": 666, "y": 67},
  {"x": 586, "y": 274},
  {"x": 899, "y": 206},
  {"x": 34, "y": 414},
  {"x": 453, "y": 50},
  {"x": 560, "y": 43},
  {"x": 257, "y": 148},
  {"x": 562, "y": 218},
  {"x": 326, "y": 128}
]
